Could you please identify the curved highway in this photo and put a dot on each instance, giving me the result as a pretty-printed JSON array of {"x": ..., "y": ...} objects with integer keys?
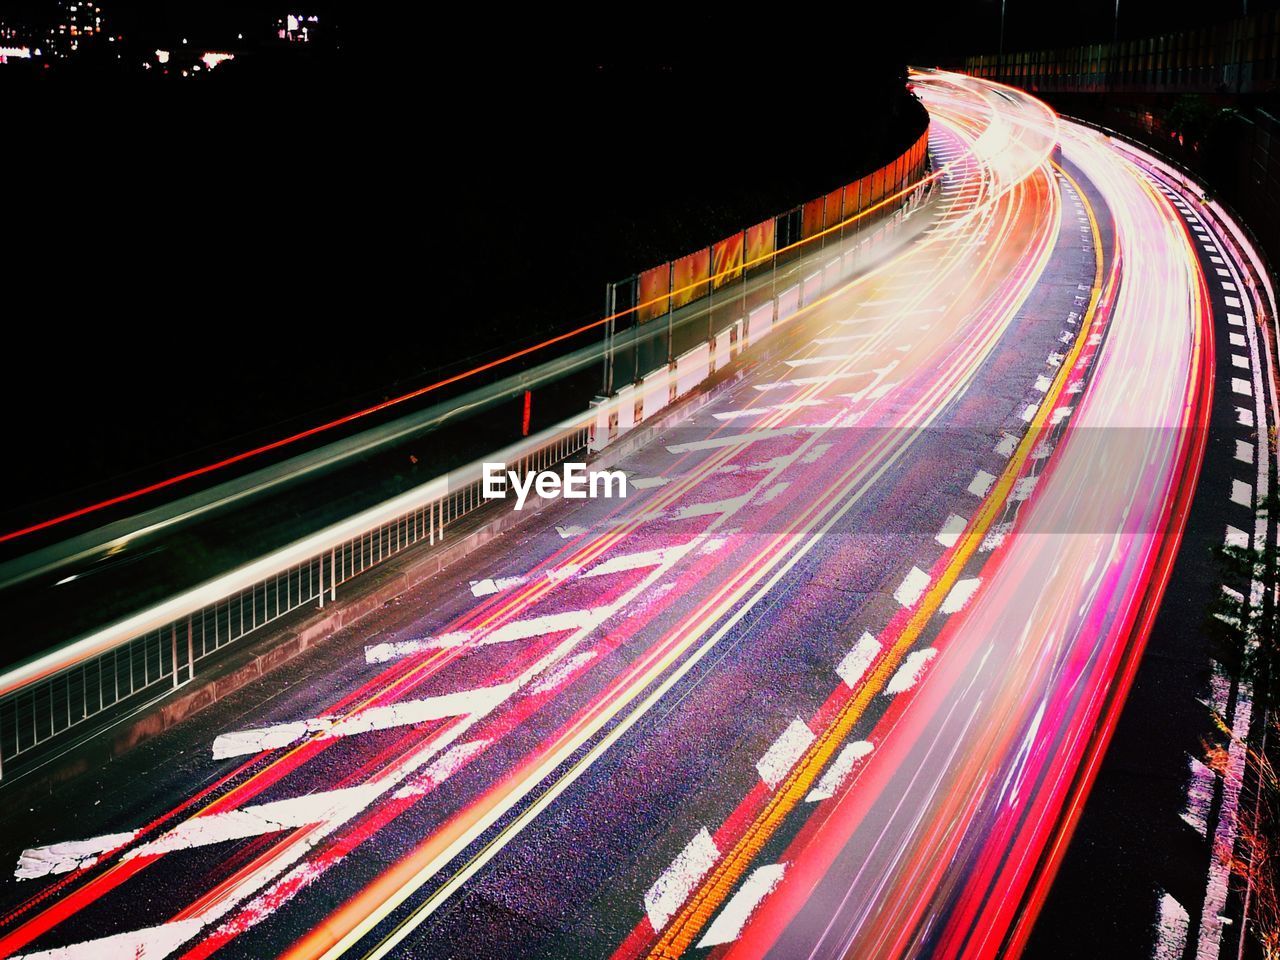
[{"x": 831, "y": 682}]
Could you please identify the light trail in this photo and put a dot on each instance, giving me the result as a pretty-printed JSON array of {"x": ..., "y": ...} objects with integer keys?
[
  {"x": 1072, "y": 603},
  {"x": 921, "y": 781},
  {"x": 403, "y": 680}
]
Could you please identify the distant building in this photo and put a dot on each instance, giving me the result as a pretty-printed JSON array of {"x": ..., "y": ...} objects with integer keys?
[
  {"x": 19, "y": 41},
  {"x": 298, "y": 27},
  {"x": 76, "y": 22}
]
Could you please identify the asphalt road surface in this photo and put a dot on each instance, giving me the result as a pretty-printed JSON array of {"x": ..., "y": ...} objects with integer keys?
[{"x": 831, "y": 681}]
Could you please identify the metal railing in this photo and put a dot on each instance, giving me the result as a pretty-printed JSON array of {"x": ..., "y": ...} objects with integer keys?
[
  {"x": 1232, "y": 56},
  {"x": 130, "y": 674}
]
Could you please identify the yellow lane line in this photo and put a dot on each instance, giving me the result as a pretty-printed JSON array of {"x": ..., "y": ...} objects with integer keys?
[{"x": 713, "y": 892}]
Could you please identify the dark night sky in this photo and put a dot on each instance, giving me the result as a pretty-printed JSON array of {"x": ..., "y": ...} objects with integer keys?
[{"x": 287, "y": 243}]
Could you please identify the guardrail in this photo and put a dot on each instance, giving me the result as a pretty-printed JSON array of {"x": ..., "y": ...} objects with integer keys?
[
  {"x": 146, "y": 657},
  {"x": 652, "y": 315},
  {"x": 783, "y": 294},
  {"x": 1233, "y": 56},
  {"x": 81, "y": 688}
]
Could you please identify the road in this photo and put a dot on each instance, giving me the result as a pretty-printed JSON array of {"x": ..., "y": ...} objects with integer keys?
[{"x": 831, "y": 681}]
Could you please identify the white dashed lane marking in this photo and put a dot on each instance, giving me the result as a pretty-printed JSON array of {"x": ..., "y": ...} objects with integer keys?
[
  {"x": 858, "y": 660},
  {"x": 949, "y": 535},
  {"x": 784, "y": 752},
  {"x": 981, "y": 483},
  {"x": 686, "y": 871},
  {"x": 912, "y": 587},
  {"x": 488, "y": 587},
  {"x": 1241, "y": 493}
]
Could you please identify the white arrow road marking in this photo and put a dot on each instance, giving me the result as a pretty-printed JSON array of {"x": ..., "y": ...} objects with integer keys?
[
  {"x": 148, "y": 944},
  {"x": 385, "y": 717},
  {"x": 65, "y": 857},
  {"x": 732, "y": 440},
  {"x": 727, "y": 927},
  {"x": 826, "y": 358},
  {"x": 773, "y": 408},
  {"x": 507, "y": 633},
  {"x": 840, "y": 768},
  {"x": 909, "y": 673}
]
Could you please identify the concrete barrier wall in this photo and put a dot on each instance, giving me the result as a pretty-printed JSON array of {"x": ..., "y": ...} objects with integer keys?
[{"x": 633, "y": 404}]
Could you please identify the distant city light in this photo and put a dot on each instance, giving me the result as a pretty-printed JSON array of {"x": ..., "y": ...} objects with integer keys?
[
  {"x": 294, "y": 27},
  {"x": 211, "y": 59},
  {"x": 73, "y": 27}
]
